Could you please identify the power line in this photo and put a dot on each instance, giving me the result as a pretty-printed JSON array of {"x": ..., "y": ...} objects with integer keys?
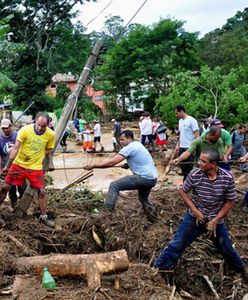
[
  {"x": 92, "y": 20},
  {"x": 139, "y": 9},
  {"x": 134, "y": 15}
]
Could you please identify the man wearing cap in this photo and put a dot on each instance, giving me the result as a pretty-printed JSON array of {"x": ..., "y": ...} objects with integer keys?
[
  {"x": 97, "y": 134},
  {"x": 227, "y": 142},
  {"x": 7, "y": 142},
  {"x": 25, "y": 161}
]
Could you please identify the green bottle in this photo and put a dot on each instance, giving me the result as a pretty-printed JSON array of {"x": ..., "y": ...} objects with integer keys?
[{"x": 47, "y": 281}]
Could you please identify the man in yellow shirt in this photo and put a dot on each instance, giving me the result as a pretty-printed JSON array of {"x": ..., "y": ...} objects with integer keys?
[{"x": 25, "y": 161}]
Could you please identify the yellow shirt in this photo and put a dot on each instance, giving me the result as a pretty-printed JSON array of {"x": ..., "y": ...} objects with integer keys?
[{"x": 33, "y": 149}]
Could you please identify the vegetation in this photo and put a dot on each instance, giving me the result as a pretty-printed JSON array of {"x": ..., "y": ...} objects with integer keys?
[
  {"x": 158, "y": 61},
  {"x": 209, "y": 93}
]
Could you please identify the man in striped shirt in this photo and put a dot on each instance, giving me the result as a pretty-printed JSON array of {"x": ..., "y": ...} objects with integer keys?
[{"x": 213, "y": 196}]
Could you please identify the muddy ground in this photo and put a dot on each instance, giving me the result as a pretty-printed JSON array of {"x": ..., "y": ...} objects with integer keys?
[{"x": 76, "y": 215}]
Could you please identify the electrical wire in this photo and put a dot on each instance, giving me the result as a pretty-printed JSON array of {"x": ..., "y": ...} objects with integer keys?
[
  {"x": 123, "y": 30},
  {"x": 93, "y": 19},
  {"x": 138, "y": 10}
]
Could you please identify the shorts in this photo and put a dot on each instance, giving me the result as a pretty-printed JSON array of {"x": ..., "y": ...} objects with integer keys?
[
  {"x": 97, "y": 139},
  {"x": 35, "y": 177},
  {"x": 88, "y": 145}
]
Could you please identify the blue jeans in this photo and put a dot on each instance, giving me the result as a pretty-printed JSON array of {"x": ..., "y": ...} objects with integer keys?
[
  {"x": 186, "y": 233},
  {"x": 133, "y": 182},
  {"x": 143, "y": 139},
  {"x": 225, "y": 166}
]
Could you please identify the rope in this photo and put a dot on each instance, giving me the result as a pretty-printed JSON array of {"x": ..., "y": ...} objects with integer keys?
[{"x": 117, "y": 166}]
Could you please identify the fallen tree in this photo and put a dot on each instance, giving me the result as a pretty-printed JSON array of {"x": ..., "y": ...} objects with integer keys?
[{"x": 91, "y": 265}]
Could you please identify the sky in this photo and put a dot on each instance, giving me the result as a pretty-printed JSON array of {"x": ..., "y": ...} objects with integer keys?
[{"x": 200, "y": 15}]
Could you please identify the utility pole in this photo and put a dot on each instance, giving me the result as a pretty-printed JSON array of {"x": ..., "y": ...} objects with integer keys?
[
  {"x": 71, "y": 102},
  {"x": 70, "y": 105}
]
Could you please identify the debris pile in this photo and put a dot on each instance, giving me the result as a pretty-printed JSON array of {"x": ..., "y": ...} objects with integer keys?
[{"x": 82, "y": 229}]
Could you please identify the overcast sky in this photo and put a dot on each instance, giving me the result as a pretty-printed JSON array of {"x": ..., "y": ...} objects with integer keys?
[{"x": 200, "y": 15}]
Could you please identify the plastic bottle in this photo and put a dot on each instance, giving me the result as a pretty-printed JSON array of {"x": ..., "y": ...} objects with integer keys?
[{"x": 47, "y": 281}]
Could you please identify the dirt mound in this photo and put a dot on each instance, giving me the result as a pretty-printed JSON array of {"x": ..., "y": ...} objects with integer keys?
[{"x": 77, "y": 217}]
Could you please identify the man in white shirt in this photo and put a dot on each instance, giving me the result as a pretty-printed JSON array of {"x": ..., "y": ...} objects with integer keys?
[
  {"x": 146, "y": 129},
  {"x": 97, "y": 135},
  {"x": 188, "y": 131}
]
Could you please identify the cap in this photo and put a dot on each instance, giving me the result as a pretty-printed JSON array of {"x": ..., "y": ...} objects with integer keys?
[
  {"x": 94, "y": 121},
  {"x": 5, "y": 123},
  {"x": 216, "y": 122},
  {"x": 113, "y": 120}
]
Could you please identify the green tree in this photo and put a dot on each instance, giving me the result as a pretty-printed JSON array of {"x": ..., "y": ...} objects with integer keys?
[
  {"x": 88, "y": 109},
  {"x": 211, "y": 92},
  {"x": 62, "y": 93},
  {"x": 6, "y": 89},
  {"x": 7, "y": 50},
  {"x": 150, "y": 55},
  {"x": 37, "y": 25},
  {"x": 227, "y": 47},
  {"x": 69, "y": 50}
]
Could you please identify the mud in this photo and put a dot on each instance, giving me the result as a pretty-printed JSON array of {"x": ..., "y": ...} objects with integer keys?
[
  {"x": 75, "y": 218},
  {"x": 76, "y": 212}
]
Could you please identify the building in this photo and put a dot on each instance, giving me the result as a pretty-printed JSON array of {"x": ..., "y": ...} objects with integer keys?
[
  {"x": 133, "y": 103},
  {"x": 71, "y": 81}
]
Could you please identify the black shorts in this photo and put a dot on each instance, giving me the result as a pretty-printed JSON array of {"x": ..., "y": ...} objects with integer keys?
[{"x": 97, "y": 139}]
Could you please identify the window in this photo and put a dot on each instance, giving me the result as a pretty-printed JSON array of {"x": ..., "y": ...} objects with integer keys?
[{"x": 99, "y": 98}]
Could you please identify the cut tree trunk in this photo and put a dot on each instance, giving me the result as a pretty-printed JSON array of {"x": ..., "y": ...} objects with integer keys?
[{"x": 91, "y": 265}]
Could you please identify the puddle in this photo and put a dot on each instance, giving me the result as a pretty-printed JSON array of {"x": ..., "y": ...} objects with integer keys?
[{"x": 102, "y": 177}]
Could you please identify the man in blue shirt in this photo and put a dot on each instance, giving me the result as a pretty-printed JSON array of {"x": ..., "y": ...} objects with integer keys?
[{"x": 144, "y": 176}]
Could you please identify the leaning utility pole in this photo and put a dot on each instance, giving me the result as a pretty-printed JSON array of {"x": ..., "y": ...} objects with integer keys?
[
  {"x": 71, "y": 102},
  {"x": 70, "y": 105}
]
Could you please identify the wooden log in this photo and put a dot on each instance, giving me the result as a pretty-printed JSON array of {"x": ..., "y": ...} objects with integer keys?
[
  {"x": 79, "y": 179},
  {"x": 92, "y": 265}
]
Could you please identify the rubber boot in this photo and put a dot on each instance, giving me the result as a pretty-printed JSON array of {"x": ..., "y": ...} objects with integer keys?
[
  {"x": 150, "y": 211},
  {"x": 244, "y": 206}
]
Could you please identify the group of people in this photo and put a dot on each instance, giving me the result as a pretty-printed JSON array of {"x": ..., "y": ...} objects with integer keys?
[
  {"x": 83, "y": 131},
  {"x": 208, "y": 191},
  {"x": 152, "y": 131}
]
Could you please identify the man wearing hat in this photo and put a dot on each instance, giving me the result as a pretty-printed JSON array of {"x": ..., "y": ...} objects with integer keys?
[
  {"x": 227, "y": 142},
  {"x": 7, "y": 142},
  {"x": 97, "y": 134}
]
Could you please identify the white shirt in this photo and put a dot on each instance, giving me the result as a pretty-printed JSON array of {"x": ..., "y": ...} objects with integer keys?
[
  {"x": 86, "y": 135},
  {"x": 146, "y": 126},
  {"x": 97, "y": 130},
  {"x": 187, "y": 127}
]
